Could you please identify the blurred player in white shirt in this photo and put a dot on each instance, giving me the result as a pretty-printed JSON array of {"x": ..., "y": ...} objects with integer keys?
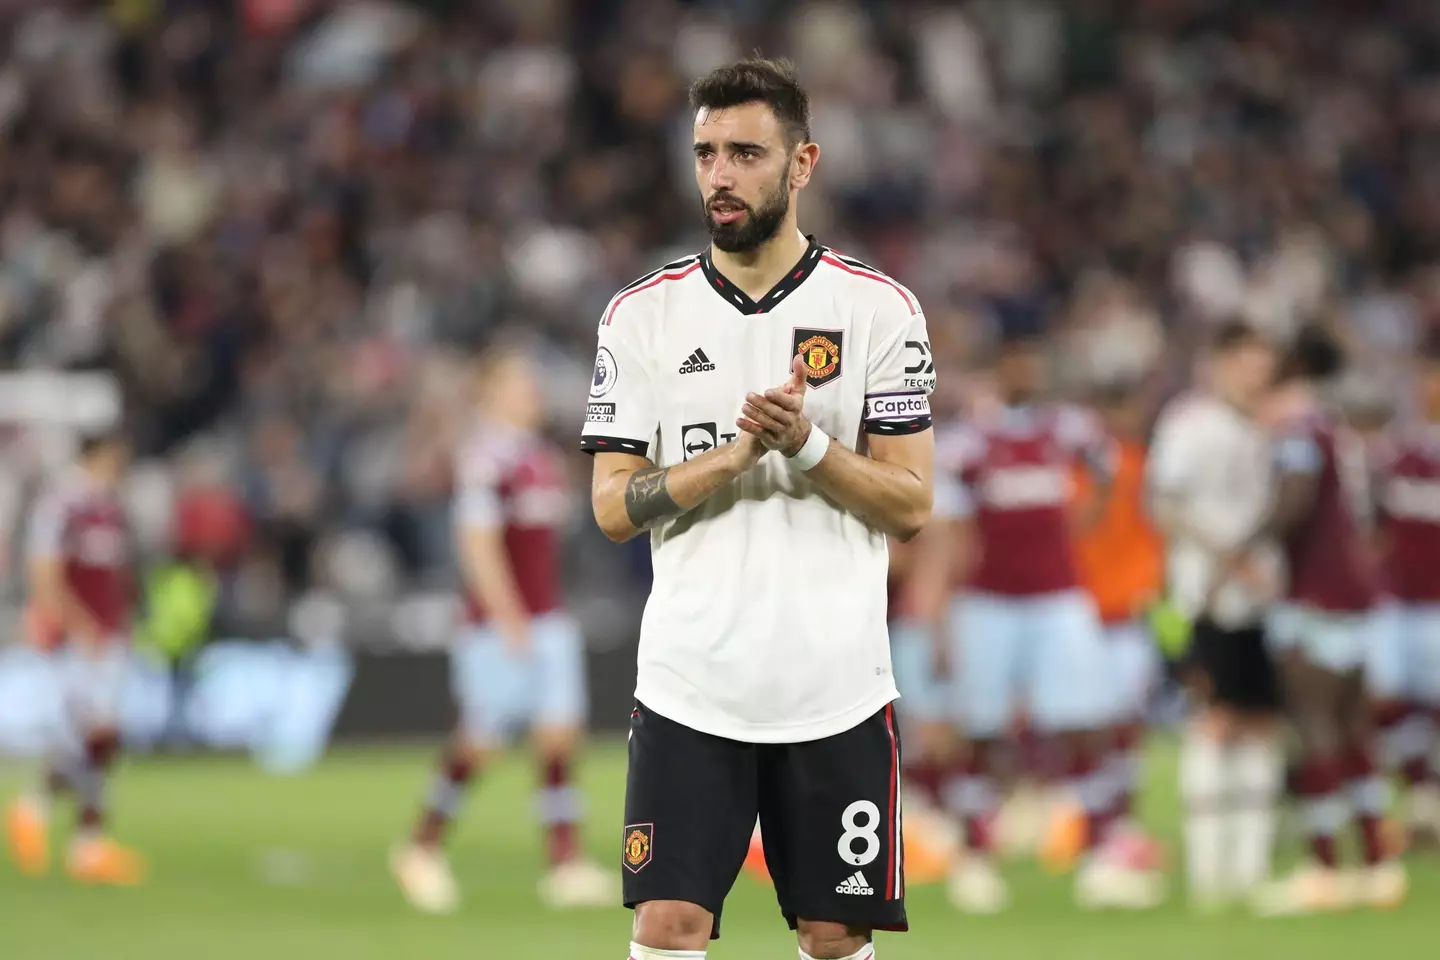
[
  {"x": 1210, "y": 478},
  {"x": 519, "y": 662}
]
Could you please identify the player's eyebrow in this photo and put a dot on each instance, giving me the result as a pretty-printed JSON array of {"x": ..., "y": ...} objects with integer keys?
[{"x": 734, "y": 146}]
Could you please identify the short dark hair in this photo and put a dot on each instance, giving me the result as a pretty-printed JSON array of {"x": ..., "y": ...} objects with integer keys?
[
  {"x": 1234, "y": 334},
  {"x": 772, "y": 82},
  {"x": 1314, "y": 355},
  {"x": 100, "y": 439}
]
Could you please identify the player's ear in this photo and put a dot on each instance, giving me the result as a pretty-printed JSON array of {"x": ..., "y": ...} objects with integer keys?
[{"x": 802, "y": 165}]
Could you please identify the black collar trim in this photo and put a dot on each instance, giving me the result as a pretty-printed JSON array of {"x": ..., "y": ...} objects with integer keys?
[{"x": 741, "y": 301}]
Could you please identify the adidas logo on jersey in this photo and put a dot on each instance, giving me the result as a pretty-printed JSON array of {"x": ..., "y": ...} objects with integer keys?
[
  {"x": 697, "y": 362},
  {"x": 856, "y": 885}
]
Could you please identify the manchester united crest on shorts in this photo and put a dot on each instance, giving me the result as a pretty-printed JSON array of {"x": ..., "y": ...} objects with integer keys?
[
  {"x": 820, "y": 349},
  {"x": 638, "y": 837}
]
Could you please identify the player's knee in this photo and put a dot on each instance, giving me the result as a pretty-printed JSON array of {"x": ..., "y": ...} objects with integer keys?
[
  {"x": 556, "y": 741},
  {"x": 980, "y": 752},
  {"x": 469, "y": 749},
  {"x": 102, "y": 743},
  {"x": 826, "y": 940},
  {"x": 1085, "y": 742},
  {"x": 938, "y": 741},
  {"x": 1216, "y": 723},
  {"x": 672, "y": 925}
]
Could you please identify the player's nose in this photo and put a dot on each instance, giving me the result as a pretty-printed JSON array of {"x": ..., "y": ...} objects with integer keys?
[{"x": 720, "y": 175}]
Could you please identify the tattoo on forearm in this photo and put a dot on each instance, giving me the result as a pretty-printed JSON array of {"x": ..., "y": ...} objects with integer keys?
[{"x": 647, "y": 498}]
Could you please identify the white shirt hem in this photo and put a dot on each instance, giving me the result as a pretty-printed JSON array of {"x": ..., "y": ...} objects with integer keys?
[{"x": 684, "y": 713}]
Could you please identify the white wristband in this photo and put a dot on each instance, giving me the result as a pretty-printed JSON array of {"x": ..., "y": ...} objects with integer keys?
[{"x": 813, "y": 451}]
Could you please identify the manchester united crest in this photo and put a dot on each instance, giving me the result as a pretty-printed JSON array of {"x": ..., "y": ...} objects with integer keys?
[
  {"x": 638, "y": 837},
  {"x": 820, "y": 350}
]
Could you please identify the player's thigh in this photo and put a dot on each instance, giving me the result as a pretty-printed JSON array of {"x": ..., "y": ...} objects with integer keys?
[
  {"x": 1422, "y": 648},
  {"x": 493, "y": 685},
  {"x": 985, "y": 656},
  {"x": 1133, "y": 665},
  {"x": 1067, "y": 674},
  {"x": 1386, "y": 668},
  {"x": 830, "y": 817},
  {"x": 690, "y": 809},
  {"x": 93, "y": 680},
  {"x": 912, "y": 657},
  {"x": 560, "y": 693}
]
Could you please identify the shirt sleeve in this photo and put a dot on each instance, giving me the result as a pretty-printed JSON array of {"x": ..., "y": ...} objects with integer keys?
[
  {"x": 46, "y": 533},
  {"x": 900, "y": 376},
  {"x": 621, "y": 415},
  {"x": 1296, "y": 452},
  {"x": 1171, "y": 462},
  {"x": 478, "y": 502},
  {"x": 955, "y": 457},
  {"x": 1083, "y": 433}
]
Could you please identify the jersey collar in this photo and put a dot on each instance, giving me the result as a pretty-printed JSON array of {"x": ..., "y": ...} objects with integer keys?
[{"x": 741, "y": 301}]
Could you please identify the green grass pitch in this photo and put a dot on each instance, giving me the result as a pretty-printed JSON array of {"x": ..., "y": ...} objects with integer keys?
[{"x": 250, "y": 866}]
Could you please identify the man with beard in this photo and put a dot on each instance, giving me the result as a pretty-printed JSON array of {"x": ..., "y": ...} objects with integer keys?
[{"x": 762, "y": 410}]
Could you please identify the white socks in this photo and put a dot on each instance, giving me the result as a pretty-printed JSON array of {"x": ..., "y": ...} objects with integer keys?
[
  {"x": 1258, "y": 770},
  {"x": 638, "y": 952},
  {"x": 866, "y": 952},
  {"x": 1204, "y": 794},
  {"x": 1229, "y": 793}
]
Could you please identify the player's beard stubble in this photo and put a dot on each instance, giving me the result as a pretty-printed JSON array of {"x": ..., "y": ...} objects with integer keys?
[{"x": 757, "y": 226}]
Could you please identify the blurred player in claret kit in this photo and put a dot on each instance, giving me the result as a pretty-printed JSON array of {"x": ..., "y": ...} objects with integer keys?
[
  {"x": 518, "y": 663},
  {"x": 83, "y": 590},
  {"x": 923, "y": 578},
  {"x": 1404, "y": 669},
  {"x": 1023, "y": 629},
  {"x": 916, "y": 619},
  {"x": 762, "y": 411},
  {"x": 1322, "y": 629}
]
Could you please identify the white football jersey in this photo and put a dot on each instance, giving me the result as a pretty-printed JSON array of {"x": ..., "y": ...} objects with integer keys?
[
  {"x": 1217, "y": 464},
  {"x": 766, "y": 618}
]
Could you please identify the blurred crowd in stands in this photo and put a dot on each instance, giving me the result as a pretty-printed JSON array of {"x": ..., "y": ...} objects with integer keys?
[{"x": 286, "y": 225}]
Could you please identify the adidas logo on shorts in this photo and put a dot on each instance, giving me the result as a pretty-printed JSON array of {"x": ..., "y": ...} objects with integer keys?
[
  {"x": 856, "y": 885},
  {"x": 697, "y": 362}
]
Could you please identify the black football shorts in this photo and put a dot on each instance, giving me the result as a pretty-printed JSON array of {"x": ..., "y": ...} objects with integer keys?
[
  {"x": 1235, "y": 667},
  {"x": 829, "y": 812}
]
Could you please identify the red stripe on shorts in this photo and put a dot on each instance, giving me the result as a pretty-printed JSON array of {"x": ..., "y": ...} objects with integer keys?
[{"x": 892, "y": 882}]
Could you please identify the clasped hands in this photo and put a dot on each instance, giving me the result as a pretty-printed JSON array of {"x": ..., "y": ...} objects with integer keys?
[{"x": 776, "y": 418}]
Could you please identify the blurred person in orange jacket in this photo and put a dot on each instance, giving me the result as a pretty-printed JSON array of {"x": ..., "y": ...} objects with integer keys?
[{"x": 1121, "y": 560}]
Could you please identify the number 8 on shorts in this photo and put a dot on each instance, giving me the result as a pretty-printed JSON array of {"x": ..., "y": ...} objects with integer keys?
[{"x": 866, "y": 832}]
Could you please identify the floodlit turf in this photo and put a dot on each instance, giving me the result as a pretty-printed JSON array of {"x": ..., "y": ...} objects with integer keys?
[{"x": 248, "y": 866}]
